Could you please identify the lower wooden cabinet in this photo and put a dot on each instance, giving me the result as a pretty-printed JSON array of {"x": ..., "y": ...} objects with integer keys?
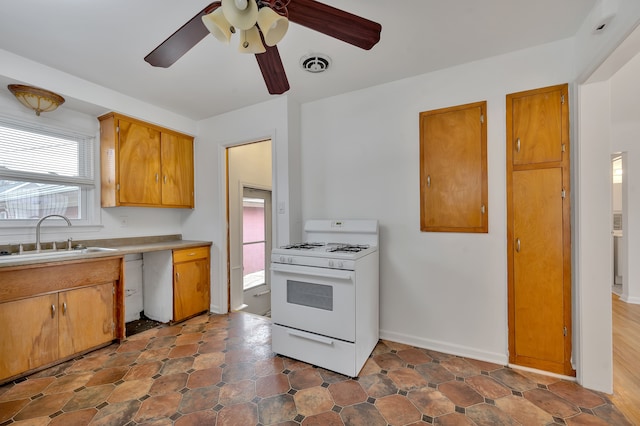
[
  {"x": 53, "y": 312},
  {"x": 29, "y": 334},
  {"x": 85, "y": 318},
  {"x": 191, "y": 284},
  {"x": 176, "y": 283}
]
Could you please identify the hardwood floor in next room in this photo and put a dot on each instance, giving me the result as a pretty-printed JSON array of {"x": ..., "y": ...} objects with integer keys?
[
  {"x": 220, "y": 370},
  {"x": 626, "y": 361}
]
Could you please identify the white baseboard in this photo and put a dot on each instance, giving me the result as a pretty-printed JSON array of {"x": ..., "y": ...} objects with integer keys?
[
  {"x": 630, "y": 299},
  {"x": 453, "y": 349}
]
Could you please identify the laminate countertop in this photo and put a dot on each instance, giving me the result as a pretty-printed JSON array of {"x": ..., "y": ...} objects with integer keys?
[{"x": 101, "y": 248}]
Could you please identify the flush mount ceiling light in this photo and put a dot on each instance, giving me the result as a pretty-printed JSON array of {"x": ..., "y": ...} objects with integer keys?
[
  {"x": 39, "y": 100},
  {"x": 315, "y": 62}
]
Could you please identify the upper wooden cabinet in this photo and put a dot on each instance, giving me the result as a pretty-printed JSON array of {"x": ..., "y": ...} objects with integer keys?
[
  {"x": 144, "y": 165},
  {"x": 453, "y": 169},
  {"x": 539, "y": 125}
]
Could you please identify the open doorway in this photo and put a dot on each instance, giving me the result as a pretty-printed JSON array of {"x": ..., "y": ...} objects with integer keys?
[
  {"x": 256, "y": 250},
  {"x": 249, "y": 213},
  {"x": 617, "y": 207}
]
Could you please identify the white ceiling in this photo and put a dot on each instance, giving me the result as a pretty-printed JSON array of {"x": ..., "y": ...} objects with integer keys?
[{"x": 105, "y": 42}]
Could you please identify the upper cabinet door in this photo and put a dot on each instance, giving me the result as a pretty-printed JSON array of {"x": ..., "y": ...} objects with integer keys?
[
  {"x": 539, "y": 126},
  {"x": 453, "y": 169},
  {"x": 139, "y": 164},
  {"x": 177, "y": 170}
]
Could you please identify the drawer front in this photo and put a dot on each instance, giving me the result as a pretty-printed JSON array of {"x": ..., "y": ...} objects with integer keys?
[
  {"x": 332, "y": 354},
  {"x": 185, "y": 255}
]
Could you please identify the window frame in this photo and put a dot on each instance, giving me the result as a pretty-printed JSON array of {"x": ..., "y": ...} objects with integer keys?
[{"x": 88, "y": 206}]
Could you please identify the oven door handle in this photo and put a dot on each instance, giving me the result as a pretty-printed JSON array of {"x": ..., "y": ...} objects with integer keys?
[
  {"x": 346, "y": 277},
  {"x": 311, "y": 337}
]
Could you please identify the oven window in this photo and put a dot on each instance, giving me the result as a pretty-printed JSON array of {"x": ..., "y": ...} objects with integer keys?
[{"x": 308, "y": 294}]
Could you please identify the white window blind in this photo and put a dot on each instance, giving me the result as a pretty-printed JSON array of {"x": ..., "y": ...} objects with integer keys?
[
  {"x": 44, "y": 171},
  {"x": 44, "y": 155}
]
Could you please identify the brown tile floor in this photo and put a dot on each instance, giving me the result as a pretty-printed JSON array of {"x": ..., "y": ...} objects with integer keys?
[{"x": 219, "y": 370}]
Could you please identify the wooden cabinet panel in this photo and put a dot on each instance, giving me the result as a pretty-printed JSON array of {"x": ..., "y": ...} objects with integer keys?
[
  {"x": 29, "y": 330},
  {"x": 453, "y": 169},
  {"x": 144, "y": 165},
  {"x": 86, "y": 318},
  {"x": 539, "y": 229},
  {"x": 538, "y": 126},
  {"x": 177, "y": 170},
  {"x": 191, "y": 283},
  {"x": 50, "y": 312},
  {"x": 538, "y": 265},
  {"x": 139, "y": 164}
]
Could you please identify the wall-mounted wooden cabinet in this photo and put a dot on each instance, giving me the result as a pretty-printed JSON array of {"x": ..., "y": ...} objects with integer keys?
[
  {"x": 453, "y": 169},
  {"x": 143, "y": 165}
]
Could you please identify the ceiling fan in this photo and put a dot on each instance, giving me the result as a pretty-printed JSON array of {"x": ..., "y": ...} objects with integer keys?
[{"x": 260, "y": 30}]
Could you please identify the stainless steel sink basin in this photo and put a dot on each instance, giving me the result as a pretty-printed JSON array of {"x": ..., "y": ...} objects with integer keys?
[
  {"x": 97, "y": 249},
  {"x": 46, "y": 254}
]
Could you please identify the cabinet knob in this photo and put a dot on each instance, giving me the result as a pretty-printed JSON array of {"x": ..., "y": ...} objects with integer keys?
[
  {"x": 518, "y": 145},
  {"x": 53, "y": 311},
  {"x": 64, "y": 308},
  {"x": 518, "y": 245}
]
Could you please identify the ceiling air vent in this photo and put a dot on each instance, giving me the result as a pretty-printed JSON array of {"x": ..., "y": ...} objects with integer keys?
[{"x": 315, "y": 62}]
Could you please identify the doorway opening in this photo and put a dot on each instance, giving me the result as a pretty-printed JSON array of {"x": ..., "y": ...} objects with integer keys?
[
  {"x": 256, "y": 250},
  {"x": 249, "y": 221},
  {"x": 617, "y": 208}
]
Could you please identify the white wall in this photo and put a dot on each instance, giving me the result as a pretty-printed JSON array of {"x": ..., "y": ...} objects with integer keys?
[
  {"x": 268, "y": 120},
  {"x": 593, "y": 251},
  {"x": 360, "y": 159}
]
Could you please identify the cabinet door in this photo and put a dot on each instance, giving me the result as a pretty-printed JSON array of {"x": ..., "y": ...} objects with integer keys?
[
  {"x": 177, "y": 170},
  {"x": 86, "y": 318},
  {"x": 139, "y": 164},
  {"x": 190, "y": 288},
  {"x": 29, "y": 330},
  {"x": 453, "y": 169},
  {"x": 539, "y": 122},
  {"x": 538, "y": 269}
]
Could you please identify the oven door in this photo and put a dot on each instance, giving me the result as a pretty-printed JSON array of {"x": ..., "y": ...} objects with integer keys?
[{"x": 318, "y": 300}]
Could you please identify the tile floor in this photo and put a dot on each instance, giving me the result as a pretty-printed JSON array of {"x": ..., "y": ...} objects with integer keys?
[{"x": 219, "y": 370}]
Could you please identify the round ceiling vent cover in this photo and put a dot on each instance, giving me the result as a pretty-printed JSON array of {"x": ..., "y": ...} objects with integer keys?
[{"x": 316, "y": 62}]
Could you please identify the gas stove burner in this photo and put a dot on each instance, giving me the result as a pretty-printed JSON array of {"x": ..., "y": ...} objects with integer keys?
[
  {"x": 348, "y": 248},
  {"x": 303, "y": 246}
]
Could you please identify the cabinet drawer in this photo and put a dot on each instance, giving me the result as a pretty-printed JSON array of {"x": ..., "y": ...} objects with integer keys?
[{"x": 185, "y": 255}]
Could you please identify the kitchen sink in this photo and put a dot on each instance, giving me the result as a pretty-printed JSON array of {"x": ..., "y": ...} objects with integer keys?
[{"x": 45, "y": 254}]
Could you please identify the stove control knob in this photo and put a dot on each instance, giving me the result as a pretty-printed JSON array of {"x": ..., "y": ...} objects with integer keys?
[
  {"x": 282, "y": 259},
  {"x": 340, "y": 265},
  {"x": 290, "y": 259},
  {"x": 331, "y": 264}
]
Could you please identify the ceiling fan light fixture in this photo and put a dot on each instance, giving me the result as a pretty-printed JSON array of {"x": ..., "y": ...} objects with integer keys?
[
  {"x": 218, "y": 25},
  {"x": 39, "y": 100},
  {"x": 250, "y": 41},
  {"x": 273, "y": 25},
  {"x": 242, "y": 14}
]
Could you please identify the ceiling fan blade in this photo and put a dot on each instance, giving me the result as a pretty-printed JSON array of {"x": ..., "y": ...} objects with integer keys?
[
  {"x": 180, "y": 42},
  {"x": 334, "y": 22},
  {"x": 273, "y": 71}
]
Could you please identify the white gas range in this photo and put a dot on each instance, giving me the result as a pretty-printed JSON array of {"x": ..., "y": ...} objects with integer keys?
[{"x": 324, "y": 295}]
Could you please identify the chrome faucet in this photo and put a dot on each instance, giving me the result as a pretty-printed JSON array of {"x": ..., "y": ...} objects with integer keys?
[{"x": 40, "y": 223}]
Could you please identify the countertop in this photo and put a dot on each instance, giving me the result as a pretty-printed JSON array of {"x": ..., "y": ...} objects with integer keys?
[{"x": 121, "y": 246}]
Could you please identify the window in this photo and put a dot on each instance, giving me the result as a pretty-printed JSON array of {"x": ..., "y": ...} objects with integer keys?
[{"x": 44, "y": 171}]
